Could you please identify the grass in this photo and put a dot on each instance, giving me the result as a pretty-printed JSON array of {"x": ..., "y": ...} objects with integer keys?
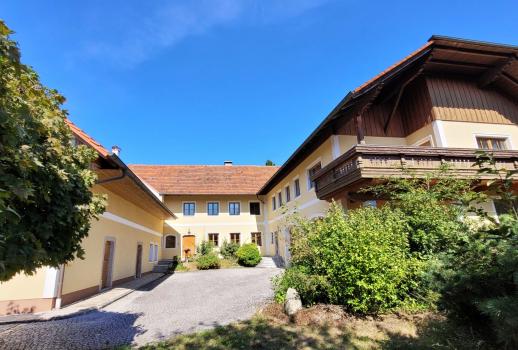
[
  {"x": 327, "y": 327},
  {"x": 191, "y": 265}
]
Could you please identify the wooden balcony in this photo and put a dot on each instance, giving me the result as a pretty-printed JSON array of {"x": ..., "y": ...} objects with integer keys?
[{"x": 364, "y": 164}]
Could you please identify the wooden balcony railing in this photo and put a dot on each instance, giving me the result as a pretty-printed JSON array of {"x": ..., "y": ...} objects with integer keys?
[{"x": 362, "y": 163}]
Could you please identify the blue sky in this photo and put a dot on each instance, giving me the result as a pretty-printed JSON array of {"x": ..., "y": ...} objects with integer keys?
[{"x": 200, "y": 82}]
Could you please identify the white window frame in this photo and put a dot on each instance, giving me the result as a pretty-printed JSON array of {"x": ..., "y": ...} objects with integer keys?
[
  {"x": 274, "y": 203},
  {"x": 506, "y": 137},
  {"x": 195, "y": 207},
  {"x": 428, "y": 138},
  {"x": 175, "y": 241},
  {"x": 228, "y": 207},
  {"x": 311, "y": 165},
  {"x": 219, "y": 207},
  {"x": 295, "y": 195},
  {"x": 260, "y": 208}
]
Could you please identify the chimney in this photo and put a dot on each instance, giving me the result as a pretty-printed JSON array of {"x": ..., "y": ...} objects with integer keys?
[
  {"x": 227, "y": 163},
  {"x": 116, "y": 150}
]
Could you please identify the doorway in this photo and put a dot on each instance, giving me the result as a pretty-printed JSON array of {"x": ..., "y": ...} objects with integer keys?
[
  {"x": 138, "y": 267},
  {"x": 107, "y": 264},
  {"x": 188, "y": 246}
]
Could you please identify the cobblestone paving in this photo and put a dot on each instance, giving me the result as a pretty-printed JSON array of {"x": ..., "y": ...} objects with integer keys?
[{"x": 182, "y": 303}]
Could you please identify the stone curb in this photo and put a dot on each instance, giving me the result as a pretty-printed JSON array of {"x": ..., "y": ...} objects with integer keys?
[{"x": 35, "y": 318}]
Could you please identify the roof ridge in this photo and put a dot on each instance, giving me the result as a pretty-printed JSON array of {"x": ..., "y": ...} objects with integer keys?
[{"x": 87, "y": 138}]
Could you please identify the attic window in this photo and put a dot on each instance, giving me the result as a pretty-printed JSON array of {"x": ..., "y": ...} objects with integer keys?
[{"x": 496, "y": 143}]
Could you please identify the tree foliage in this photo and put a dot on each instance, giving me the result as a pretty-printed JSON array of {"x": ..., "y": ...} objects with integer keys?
[{"x": 45, "y": 200}]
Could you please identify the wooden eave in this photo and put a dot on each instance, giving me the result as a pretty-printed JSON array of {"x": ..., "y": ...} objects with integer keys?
[{"x": 441, "y": 55}]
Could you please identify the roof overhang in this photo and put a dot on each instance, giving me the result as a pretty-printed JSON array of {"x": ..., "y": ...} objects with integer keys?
[{"x": 492, "y": 65}]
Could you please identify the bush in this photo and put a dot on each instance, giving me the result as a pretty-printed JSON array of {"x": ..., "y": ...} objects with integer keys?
[
  {"x": 480, "y": 282},
  {"x": 311, "y": 288},
  {"x": 248, "y": 255},
  {"x": 229, "y": 250},
  {"x": 361, "y": 260},
  {"x": 205, "y": 248},
  {"x": 208, "y": 261}
]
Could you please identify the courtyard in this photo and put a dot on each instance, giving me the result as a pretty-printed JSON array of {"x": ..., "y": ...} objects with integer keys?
[{"x": 177, "y": 304}]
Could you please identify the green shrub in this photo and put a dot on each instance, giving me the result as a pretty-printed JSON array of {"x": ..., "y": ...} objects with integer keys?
[
  {"x": 248, "y": 255},
  {"x": 208, "y": 261},
  {"x": 205, "y": 248},
  {"x": 480, "y": 281},
  {"x": 363, "y": 257},
  {"x": 311, "y": 288},
  {"x": 229, "y": 250}
]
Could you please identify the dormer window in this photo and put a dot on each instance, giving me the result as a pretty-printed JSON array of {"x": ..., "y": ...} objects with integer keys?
[{"x": 494, "y": 143}]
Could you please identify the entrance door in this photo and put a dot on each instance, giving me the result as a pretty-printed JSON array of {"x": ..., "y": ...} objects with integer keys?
[
  {"x": 188, "y": 245},
  {"x": 107, "y": 264},
  {"x": 138, "y": 267}
]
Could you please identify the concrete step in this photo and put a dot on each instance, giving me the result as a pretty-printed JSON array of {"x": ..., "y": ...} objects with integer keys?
[
  {"x": 268, "y": 262},
  {"x": 160, "y": 268}
]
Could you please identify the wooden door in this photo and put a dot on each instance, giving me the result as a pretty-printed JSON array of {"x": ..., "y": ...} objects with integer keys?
[
  {"x": 138, "y": 267},
  {"x": 107, "y": 264},
  {"x": 188, "y": 245}
]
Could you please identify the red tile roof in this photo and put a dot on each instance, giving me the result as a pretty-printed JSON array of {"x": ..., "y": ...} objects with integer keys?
[
  {"x": 205, "y": 179},
  {"x": 87, "y": 139}
]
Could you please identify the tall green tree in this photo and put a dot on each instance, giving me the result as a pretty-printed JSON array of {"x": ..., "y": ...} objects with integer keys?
[{"x": 46, "y": 205}]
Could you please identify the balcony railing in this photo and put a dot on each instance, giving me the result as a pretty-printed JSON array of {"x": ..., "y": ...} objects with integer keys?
[{"x": 362, "y": 163}]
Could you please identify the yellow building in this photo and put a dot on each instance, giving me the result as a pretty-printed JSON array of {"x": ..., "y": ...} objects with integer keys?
[
  {"x": 123, "y": 244},
  {"x": 439, "y": 104}
]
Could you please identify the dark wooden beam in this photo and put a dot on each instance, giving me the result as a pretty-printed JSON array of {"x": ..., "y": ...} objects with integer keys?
[
  {"x": 459, "y": 64},
  {"x": 471, "y": 51},
  {"x": 494, "y": 73},
  {"x": 510, "y": 78}
]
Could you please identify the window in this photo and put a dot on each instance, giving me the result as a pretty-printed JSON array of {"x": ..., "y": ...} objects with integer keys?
[
  {"x": 234, "y": 238},
  {"x": 170, "y": 242},
  {"x": 312, "y": 171},
  {"x": 153, "y": 252},
  {"x": 213, "y": 238},
  {"x": 274, "y": 204},
  {"x": 287, "y": 192},
  {"x": 212, "y": 208},
  {"x": 297, "y": 187},
  {"x": 271, "y": 242},
  {"x": 279, "y": 196},
  {"x": 189, "y": 209},
  {"x": 257, "y": 238},
  {"x": 234, "y": 208},
  {"x": 497, "y": 143},
  {"x": 255, "y": 208}
]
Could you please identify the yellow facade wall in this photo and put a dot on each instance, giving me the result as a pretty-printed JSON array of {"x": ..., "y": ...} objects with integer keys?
[
  {"x": 462, "y": 134},
  {"x": 201, "y": 224},
  {"x": 82, "y": 274},
  {"x": 23, "y": 286}
]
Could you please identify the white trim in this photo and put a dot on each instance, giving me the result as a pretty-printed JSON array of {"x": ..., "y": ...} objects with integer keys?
[
  {"x": 111, "y": 262},
  {"x": 335, "y": 146},
  {"x": 425, "y": 139},
  {"x": 260, "y": 208},
  {"x": 51, "y": 283},
  {"x": 195, "y": 208},
  {"x": 311, "y": 165},
  {"x": 164, "y": 245},
  {"x": 505, "y": 137},
  {"x": 207, "y": 207},
  {"x": 228, "y": 208},
  {"x": 121, "y": 220},
  {"x": 438, "y": 129},
  {"x": 217, "y": 224}
]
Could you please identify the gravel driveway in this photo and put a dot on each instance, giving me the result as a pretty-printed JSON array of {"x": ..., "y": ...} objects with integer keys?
[{"x": 179, "y": 303}]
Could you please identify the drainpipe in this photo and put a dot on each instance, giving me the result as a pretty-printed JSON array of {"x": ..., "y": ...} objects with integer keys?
[{"x": 59, "y": 293}]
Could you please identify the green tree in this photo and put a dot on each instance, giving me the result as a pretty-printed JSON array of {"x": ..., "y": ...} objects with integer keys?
[
  {"x": 45, "y": 200},
  {"x": 269, "y": 163}
]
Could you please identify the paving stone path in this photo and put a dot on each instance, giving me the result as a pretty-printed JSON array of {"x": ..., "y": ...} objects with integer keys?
[{"x": 181, "y": 303}]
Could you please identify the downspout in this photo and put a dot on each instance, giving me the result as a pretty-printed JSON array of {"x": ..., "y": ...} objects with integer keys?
[{"x": 59, "y": 293}]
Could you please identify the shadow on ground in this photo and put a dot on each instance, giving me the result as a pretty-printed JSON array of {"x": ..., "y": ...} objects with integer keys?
[{"x": 327, "y": 328}]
